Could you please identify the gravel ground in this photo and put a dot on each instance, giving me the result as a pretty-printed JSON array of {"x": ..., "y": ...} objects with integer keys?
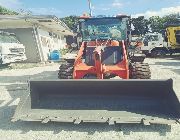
[{"x": 13, "y": 83}]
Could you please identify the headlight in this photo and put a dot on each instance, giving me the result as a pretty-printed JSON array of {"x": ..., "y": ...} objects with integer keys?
[
  {"x": 8, "y": 57},
  {"x": 5, "y": 57}
]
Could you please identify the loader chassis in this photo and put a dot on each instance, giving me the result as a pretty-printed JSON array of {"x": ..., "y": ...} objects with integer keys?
[{"x": 103, "y": 53}]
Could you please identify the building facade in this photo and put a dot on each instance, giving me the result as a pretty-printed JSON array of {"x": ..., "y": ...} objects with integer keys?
[{"x": 39, "y": 34}]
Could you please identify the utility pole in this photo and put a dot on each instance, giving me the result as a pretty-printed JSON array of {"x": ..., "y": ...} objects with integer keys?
[{"x": 90, "y": 7}]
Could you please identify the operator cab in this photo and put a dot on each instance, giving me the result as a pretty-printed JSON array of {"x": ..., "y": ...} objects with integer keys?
[{"x": 104, "y": 31}]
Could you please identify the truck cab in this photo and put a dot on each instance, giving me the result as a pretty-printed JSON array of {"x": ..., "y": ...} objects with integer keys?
[
  {"x": 153, "y": 44},
  {"x": 11, "y": 50}
]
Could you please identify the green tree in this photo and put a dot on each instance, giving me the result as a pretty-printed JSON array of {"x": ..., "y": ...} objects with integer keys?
[
  {"x": 157, "y": 23},
  {"x": 140, "y": 25},
  {"x": 4, "y": 11},
  {"x": 172, "y": 18},
  {"x": 71, "y": 21}
]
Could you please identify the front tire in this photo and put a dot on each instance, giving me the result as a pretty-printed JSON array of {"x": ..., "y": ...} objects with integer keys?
[
  {"x": 66, "y": 71},
  {"x": 140, "y": 71}
]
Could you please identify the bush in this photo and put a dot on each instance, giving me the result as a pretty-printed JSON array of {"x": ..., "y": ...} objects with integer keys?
[{"x": 63, "y": 51}]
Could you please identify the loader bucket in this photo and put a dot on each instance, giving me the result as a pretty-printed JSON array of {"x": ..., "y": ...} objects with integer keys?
[{"x": 103, "y": 101}]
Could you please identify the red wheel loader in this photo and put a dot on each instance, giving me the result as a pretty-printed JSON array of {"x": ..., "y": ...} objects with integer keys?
[
  {"x": 104, "y": 52},
  {"x": 96, "y": 87}
]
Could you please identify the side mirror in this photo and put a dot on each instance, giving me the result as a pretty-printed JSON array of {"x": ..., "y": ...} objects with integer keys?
[
  {"x": 79, "y": 39},
  {"x": 73, "y": 45},
  {"x": 76, "y": 28}
]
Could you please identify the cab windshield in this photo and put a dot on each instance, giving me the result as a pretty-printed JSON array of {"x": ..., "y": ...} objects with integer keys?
[
  {"x": 103, "y": 29},
  {"x": 8, "y": 39}
]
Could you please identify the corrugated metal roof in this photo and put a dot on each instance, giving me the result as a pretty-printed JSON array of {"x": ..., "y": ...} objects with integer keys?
[{"x": 49, "y": 22}]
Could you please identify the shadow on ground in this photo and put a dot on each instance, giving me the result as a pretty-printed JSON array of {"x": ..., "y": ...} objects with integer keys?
[
  {"x": 176, "y": 57},
  {"x": 3, "y": 67},
  {"x": 177, "y": 71},
  {"x": 25, "y": 127},
  {"x": 168, "y": 63},
  {"x": 24, "y": 79},
  {"x": 169, "y": 57},
  {"x": 175, "y": 66}
]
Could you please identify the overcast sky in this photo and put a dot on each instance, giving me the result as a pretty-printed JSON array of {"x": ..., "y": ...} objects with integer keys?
[{"x": 63, "y": 8}]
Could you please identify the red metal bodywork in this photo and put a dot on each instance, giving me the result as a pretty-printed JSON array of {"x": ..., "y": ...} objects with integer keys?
[{"x": 81, "y": 69}]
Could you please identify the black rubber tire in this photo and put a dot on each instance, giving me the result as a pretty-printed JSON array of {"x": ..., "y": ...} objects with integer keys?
[
  {"x": 140, "y": 71},
  {"x": 137, "y": 59},
  {"x": 158, "y": 54},
  {"x": 66, "y": 71}
]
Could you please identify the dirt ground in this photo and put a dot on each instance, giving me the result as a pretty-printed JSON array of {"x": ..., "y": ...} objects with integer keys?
[{"x": 13, "y": 83}]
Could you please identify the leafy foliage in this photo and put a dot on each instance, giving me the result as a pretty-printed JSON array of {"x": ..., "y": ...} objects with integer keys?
[
  {"x": 63, "y": 51},
  {"x": 71, "y": 21},
  {"x": 4, "y": 11},
  {"x": 153, "y": 24},
  {"x": 140, "y": 25},
  {"x": 157, "y": 23}
]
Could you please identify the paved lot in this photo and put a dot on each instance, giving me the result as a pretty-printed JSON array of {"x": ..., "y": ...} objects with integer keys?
[{"x": 13, "y": 84}]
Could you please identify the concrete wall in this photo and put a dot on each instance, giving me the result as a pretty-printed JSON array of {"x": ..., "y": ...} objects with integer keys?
[
  {"x": 57, "y": 41},
  {"x": 45, "y": 43},
  {"x": 27, "y": 37},
  {"x": 50, "y": 42},
  {"x": 38, "y": 42}
]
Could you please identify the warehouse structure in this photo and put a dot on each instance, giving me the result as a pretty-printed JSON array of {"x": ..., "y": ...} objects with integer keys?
[{"x": 39, "y": 34}]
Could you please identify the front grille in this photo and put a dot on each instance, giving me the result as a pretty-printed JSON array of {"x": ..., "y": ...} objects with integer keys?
[{"x": 15, "y": 50}]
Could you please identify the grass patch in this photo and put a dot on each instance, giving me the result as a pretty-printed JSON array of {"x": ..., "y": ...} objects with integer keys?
[{"x": 63, "y": 51}]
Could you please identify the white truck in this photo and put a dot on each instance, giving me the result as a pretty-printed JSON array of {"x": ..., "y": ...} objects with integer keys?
[
  {"x": 153, "y": 44},
  {"x": 11, "y": 50}
]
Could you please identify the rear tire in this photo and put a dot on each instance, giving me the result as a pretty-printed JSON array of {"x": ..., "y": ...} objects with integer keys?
[
  {"x": 66, "y": 71},
  {"x": 140, "y": 71}
]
